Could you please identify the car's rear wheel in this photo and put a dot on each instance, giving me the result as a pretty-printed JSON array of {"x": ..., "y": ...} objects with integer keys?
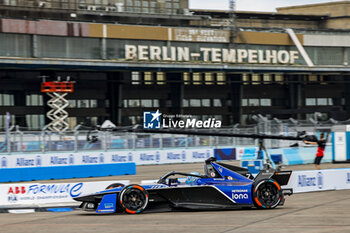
[
  {"x": 115, "y": 185},
  {"x": 267, "y": 194},
  {"x": 133, "y": 199}
]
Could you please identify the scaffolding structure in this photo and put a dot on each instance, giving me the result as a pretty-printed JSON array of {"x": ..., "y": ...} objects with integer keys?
[{"x": 57, "y": 90}]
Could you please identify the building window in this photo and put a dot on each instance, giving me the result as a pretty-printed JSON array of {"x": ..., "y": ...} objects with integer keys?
[
  {"x": 148, "y": 78},
  {"x": 133, "y": 120},
  {"x": 205, "y": 102},
  {"x": 185, "y": 103},
  {"x": 318, "y": 101},
  {"x": 195, "y": 102},
  {"x": 253, "y": 102},
  {"x": 256, "y": 102},
  {"x": 134, "y": 103},
  {"x": 87, "y": 121},
  {"x": 34, "y": 100},
  {"x": 197, "y": 79},
  {"x": 256, "y": 79},
  {"x": 217, "y": 103},
  {"x": 265, "y": 102},
  {"x": 267, "y": 78},
  {"x": 221, "y": 78},
  {"x": 72, "y": 122},
  {"x": 246, "y": 79},
  {"x": 135, "y": 78},
  {"x": 35, "y": 121},
  {"x": 208, "y": 78},
  {"x": 146, "y": 103},
  {"x": 187, "y": 78},
  {"x": 93, "y": 103},
  {"x": 156, "y": 103},
  {"x": 83, "y": 103},
  {"x": 3, "y": 119},
  {"x": 160, "y": 78},
  {"x": 279, "y": 78},
  {"x": 72, "y": 103},
  {"x": 153, "y": 4},
  {"x": 7, "y": 100}
]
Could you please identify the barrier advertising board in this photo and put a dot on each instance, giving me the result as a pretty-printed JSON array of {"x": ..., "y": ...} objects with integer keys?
[
  {"x": 36, "y": 194},
  {"x": 319, "y": 180},
  {"x": 140, "y": 157}
]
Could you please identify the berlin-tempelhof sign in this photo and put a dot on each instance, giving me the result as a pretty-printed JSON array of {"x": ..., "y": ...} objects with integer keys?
[{"x": 219, "y": 55}]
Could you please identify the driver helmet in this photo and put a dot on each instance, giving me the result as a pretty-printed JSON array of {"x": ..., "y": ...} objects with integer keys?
[{"x": 192, "y": 179}]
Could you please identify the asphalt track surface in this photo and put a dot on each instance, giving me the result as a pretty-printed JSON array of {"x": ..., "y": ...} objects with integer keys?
[{"x": 327, "y": 211}]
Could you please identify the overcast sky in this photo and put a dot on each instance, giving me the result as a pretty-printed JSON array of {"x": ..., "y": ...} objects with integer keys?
[{"x": 251, "y": 5}]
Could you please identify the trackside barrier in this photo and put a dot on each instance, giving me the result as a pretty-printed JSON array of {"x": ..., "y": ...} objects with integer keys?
[
  {"x": 66, "y": 172},
  {"x": 140, "y": 157},
  {"x": 319, "y": 180},
  {"x": 48, "y": 194}
]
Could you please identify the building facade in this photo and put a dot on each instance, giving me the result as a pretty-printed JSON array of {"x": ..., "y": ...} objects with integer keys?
[{"x": 284, "y": 64}]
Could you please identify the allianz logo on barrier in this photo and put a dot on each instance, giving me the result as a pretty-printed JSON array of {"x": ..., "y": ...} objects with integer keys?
[
  {"x": 348, "y": 178},
  {"x": 87, "y": 159},
  {"x": 122, "y": 158},
  {"x": 176, "y": 156},
  {"x": 150, "y": 157},
  {"x": 22, "y": 162},
  {"x": 57, "y": 160},
  {"x": 199, "y": 155},
  {"x": 311, "y": 181}
]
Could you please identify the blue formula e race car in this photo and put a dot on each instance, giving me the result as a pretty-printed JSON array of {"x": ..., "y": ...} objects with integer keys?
[{"x": 223, "y": 186}]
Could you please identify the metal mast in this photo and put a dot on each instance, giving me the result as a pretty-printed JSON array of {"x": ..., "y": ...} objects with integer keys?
[{"x": 232, "y": 21}]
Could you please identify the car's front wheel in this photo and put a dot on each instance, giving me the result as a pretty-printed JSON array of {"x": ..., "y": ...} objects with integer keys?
[
  {"x": 133, "y": 199},
  {"x": 267, "y": 194}
]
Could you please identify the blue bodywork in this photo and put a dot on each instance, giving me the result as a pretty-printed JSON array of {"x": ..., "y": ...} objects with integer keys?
[{"x": 222, "y": 187}]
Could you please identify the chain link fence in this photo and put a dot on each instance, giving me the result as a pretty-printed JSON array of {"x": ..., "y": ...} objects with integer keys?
[{"x": 17, "y": 140}]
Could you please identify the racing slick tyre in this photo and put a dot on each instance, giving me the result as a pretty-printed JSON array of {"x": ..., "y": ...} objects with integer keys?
[
  {"x": 115, "y": 185},
  {"x": 267, "y": 194},
  {"x": 133, "y": 199}
]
